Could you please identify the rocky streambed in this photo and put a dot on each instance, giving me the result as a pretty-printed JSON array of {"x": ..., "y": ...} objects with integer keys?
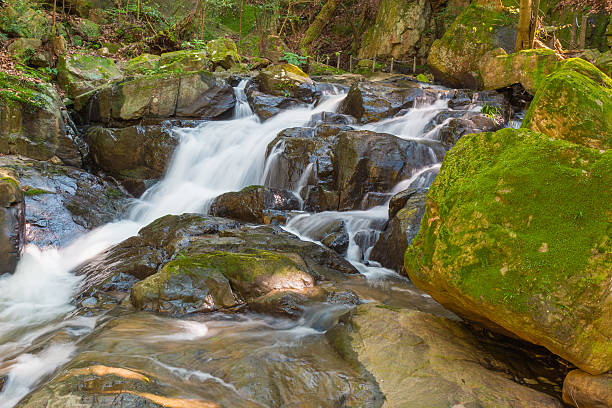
[{"x": 262, "y": 262}]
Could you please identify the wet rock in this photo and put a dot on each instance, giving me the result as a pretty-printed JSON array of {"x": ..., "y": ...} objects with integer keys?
[
  {"x": 521, "y": 265},
  {"x": 185, "y": 285},
  {"x": 588, "y": 391},
  {"x": 254, "y": 204},
  {"x": 331, "y": 118},
  {"x": 405, "y": 212},
  {"x": 31, "y": 122},
  {"x": 347, "y": 165},
  {"x": 192, "y": 236},
  {"x": 136, "y": 155},
  {"x": 574, "y": 104},
  {"x": 455, "y": 128},
  {"x": 373, "y": 101},
  {"x": 454, "y": 59},
  {"x": 528, "y": 68},
  {"x": 145, "y": 360},
  {"x": 278, "y": 88},
  {"x": 420, "y": 346},
  {"x": 161, "y": 95},
  {"x": 78, "y": 74},
  {"x": 63, "y": 202},
  {"x": 281, "y": 303},
  {"x": 12, "y": 221}
]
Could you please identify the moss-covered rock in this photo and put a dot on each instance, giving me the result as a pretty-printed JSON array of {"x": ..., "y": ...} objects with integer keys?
[
  {"x": 31, "y": 121},
  {"x": 12, "y": 221},
  {"x": 184, "y": 61},
  {"x": 88, "y": 29},
  {"x": 141, "y": 65},
  {"x": 185, "y": 285},
  {"x": 399, "y": 30},
  {"x": 20, "y": 18},
  {"x": 27, "y": 51},
  {"x": 574, "y": 104},
  {"x": 79, "y": 73},
  {"x": 604, "y": 62},
  {"x": 454, "y": 59},
  {"x": 223, "y": 52},
  {"x": 528, "y": 68},
  {"x": 283, "y": 80},
  {"x": 516, "y": 236},
  {"x": 159, "y": 95}
]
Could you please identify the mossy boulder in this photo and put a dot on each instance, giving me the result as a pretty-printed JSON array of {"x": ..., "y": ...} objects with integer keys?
[
  {"x": 454, "y": 59},
  {"x": 28, "y": 51},
  {"x": 12, "y": 221},
  {"x": 159, "y": 95},
  {"x": 80, "y": 73},
  {"x": 604, "y": 62},
  {"x": 185, "y": 285},
  {"x": 32, "y": 123},
  {"x": 399, "y": 30},
  {"x": 142, "y": 65},
  {"x": 528, "y": 68},
  {"x": 88, "y": 29},
  {"x": 21, "y": 18},
  {"x": 223, "y": 52},
  {"x": 516, "y": 236},
  {"x": 574, "y": 104},
  {"x": 184, "y": 61},
  {"x": 283, "y": 80}
]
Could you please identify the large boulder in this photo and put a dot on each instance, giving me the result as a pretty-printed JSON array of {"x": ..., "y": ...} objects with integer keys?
[
  {"x": 161, "y": 95},
  {"x": 347, "y": 165},
  {"x": 583, "y": 390},
  {"x": 64, "y": 202},
  {"x": 32, "y": 122},
  {"x": 574, "y": 104},
  {"x": 28, "y": 51},
  {"x": 23, "y": 19},
  {"x": 180, "y": 61},
  {"x": 193, "y": 236},
  {"x": 604, "y": 62},
  {"x": 142, "y": 65},
  {"x": 80, "y": 73},
  {"x": 516, "y": 237},
  {"x": 427, "y": 361},
  {"x": 454, "y": 59},
  {"x": 135, "y": 155},
  {"x": 399, "y": 30},
  {"x": 12, "y": 221},
  {"x": 256, "y": 204},
  {"x": 528, "y": 68}
]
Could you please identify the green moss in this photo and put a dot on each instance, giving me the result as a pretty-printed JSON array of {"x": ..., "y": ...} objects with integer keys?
[
  {"x": 317, "y": 68},
  {"x": 575, "y": 104},
  {"x": 31, "y": 192},
  {"x": 15, "y": 90},
  {"x": 514, "y": 217}
]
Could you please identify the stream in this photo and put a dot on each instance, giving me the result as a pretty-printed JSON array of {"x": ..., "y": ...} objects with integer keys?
[{"x": 245, "y": 359}]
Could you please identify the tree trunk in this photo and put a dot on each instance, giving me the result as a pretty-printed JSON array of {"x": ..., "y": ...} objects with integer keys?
[
  {"x": 203, "y": 19},
  {"x": 574, "y": 30},
  {"x": 319, "y": 23},
  {"x": 583, "y": 32},
  {"x": 524, "y": 25},
  {"x": 240, "y": 33},
  {"x": 54, "y": 12},
  {"x": 533, "y": 27}
]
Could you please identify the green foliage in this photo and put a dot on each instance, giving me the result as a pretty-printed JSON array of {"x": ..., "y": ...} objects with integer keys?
[
  {"x": 422, "y": 78},
  {"x": 491, "y": 111},
  {"x": 294, "y": 59},
  {"x": 194, "y": 45}
]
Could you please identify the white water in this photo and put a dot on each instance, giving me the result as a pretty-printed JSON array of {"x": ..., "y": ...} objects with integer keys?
[{"x": 214, "y": 158}]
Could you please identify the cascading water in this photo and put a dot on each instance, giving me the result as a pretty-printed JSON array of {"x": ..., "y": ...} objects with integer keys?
[{"x": 213, "y": 158}]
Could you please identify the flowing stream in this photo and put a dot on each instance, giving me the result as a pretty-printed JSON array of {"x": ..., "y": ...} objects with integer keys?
[{"x": 211, "y": 159}]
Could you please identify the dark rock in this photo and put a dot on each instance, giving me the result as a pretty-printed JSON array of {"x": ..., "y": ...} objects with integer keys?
[
  {"x": 63, "y": 202},
  {"x": 406, "y": 210},
  {"x": 134, "y": 154},
  {"x": 12, "y": 221},
  {"x": 254, "y": 204}
]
